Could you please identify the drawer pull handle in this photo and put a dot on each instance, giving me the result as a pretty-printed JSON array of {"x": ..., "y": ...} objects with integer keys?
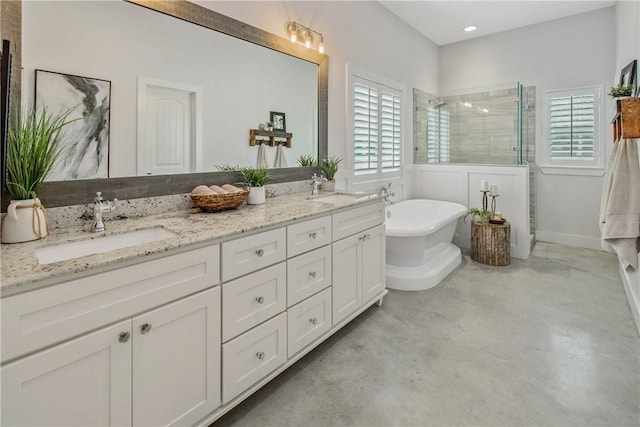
[
  {"x": 313, "y": 274},
  {"x": 313, "y": 321},
  {"x": 260, "y": 252},
  {"x": 260, "y": 355},
  {"x": 145, "y": 328},
  {"x": 260, "y": 300},
  {"x": 124, "y": 337},
  {"x": 313, "y": 235}
]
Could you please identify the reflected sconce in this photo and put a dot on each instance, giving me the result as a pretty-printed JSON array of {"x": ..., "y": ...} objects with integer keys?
[{"x": 298, "y": 33}]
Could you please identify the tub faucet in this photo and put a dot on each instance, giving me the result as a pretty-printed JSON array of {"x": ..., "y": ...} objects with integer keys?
[
  {"x": 384, "y": 192},
  {"x": 101, "y": 206},
  {"x": 315, "y": 182}
]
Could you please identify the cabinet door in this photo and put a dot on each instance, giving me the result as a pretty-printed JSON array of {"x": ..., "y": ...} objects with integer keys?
[
  {"x": 84, "y": 382},
  {"x": 176, "y": 361},
  {"x": 346, "y": 278},
  {"x": 373, "y": 263}
]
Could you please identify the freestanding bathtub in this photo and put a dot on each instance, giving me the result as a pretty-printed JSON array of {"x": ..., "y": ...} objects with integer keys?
[{"x": 418, "y": 237}]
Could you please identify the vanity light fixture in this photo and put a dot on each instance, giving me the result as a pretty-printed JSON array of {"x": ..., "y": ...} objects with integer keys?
[
  {"x": 298, "y": 33},
  {"x": 470, "y": 28}
]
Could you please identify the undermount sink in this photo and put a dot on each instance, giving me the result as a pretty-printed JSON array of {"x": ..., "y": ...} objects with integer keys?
[
  {"x": 71, "y": 250},
  {"x": 340, "y": 198}
]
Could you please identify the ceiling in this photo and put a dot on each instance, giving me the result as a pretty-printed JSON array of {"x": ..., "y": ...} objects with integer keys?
[{"x": 443, "y": 21}]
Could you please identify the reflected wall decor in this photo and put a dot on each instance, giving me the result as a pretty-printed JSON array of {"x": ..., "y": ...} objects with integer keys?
[{"x": 86, "y": 142}]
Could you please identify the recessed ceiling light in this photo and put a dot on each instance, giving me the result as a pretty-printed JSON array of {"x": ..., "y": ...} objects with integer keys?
[{"x": 470, "y": 28}]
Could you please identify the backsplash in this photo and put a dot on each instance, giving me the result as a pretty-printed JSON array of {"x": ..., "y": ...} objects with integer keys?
[{"x": 82, "y": 215}]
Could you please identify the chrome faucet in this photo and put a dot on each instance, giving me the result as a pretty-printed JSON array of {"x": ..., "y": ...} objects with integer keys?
[
  {"x": 316, "y": 181},
  {"x": 384, "y": 192},
  {"x": 101, "y": 206}
]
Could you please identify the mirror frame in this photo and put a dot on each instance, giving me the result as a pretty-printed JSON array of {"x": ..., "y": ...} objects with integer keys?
[{"x": 77, "y": 192}]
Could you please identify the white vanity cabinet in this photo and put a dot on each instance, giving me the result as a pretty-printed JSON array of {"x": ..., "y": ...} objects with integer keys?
[
  {"x": 159, "y": 368},
  {"x": 182, "y": 339},
  {"x": 157, "y": 364},
  {"x": 358, "y": 260}
]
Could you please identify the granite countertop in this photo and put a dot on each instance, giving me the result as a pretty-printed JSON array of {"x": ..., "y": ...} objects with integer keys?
[{"x": 21, "y": 271}]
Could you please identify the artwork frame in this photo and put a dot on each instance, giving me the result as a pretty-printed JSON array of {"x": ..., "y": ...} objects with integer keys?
[
  {"x": 86, "y": 143},
  {"x": 628, "y": 77},
  {"x": 278, "y": 120}
]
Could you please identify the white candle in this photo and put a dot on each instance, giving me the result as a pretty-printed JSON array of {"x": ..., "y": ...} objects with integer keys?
[
  {"x": 494, "y": 190},
  {"x": 484, "y": 185},
  {"x": 497, "y": 215}
]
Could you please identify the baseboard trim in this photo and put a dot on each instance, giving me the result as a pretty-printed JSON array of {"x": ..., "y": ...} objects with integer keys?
[
  {"x": 631, "y": 297},
  {"x": 569, "y": 239}
]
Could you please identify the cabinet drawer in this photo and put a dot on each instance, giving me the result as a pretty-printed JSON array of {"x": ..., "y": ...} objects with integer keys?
[
  {"x": 253, "y": 299},
  {"x": 308, "y": 274},
  {"x": 308, "y": 320},
  {"x": 253, "y": 355},
  {"x": 251, "y": 253},
  {"x": 356, "y": 220},
  {"x": 46, "y": 316},
  {"x": 308, "y": 235}
]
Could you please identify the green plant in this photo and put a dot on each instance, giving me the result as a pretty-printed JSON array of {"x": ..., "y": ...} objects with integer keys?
[
  {"x": 329, "y": 166},
  {"x": 228, "y": 168},
  {"x": 307, "y": 160},
  {"x": 485, "y": 215},
  {"x": 255, "y": 177},
  {"x": 617, "y": 91},
  {"x": 34, "y": 146}
]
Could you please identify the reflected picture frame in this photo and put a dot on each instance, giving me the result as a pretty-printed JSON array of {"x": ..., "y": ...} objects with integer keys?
[
  {"x": 278, "y": 121},
  {"x": 628, "y": 77}
]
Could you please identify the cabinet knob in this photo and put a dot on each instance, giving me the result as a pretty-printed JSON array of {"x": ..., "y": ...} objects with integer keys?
[
  {"x": 124, "y": 337},
  {"x": 313, "y": 321},
  {"x": 260, "y": 355},
  {"x": 145, "y": 328},
  {"x": 260, "y": 300},
  {"x": 313, "y": 235},
  {"x": 313, "y": 274},
  {"x": 260, "y": 252}
]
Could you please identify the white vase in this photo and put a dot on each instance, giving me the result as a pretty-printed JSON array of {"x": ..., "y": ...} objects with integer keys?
[
  {"x": 329, "y": 185},
  {"x": 256, "y": 196},
  {"x": 25, "y": 220}
]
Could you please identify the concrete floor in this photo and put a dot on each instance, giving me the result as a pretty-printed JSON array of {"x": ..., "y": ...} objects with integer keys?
[{"x": 548, "y": 342}]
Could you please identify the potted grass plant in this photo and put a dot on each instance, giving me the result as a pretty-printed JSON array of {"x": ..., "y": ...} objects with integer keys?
[
  {"x": 34, "y": 146},
  {"x": 329, "y": 167},
  {"x": 255, "y": 179}
]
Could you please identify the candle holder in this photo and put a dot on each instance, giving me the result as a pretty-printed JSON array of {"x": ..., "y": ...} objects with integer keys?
[
  {"x": 485, "y": 200},
  {"x": 493, "y": 203}
]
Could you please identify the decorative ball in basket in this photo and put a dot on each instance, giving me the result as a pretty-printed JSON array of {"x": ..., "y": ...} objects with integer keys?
[{"x": 216, "y": 198}]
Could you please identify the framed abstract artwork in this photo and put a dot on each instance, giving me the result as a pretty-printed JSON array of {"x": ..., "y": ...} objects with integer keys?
[{"x": 85, "y": 152}]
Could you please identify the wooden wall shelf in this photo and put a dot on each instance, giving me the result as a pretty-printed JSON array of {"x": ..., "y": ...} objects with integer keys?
[
  {"x": 271, "y": 138},
  {"x": 626, "y": 123}
]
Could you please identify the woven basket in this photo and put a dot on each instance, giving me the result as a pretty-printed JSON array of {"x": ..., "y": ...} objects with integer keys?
[{"x": 219, "y": 202}]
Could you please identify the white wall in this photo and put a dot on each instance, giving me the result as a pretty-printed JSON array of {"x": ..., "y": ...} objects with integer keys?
[
  {"x": 628, "y": 49},
  {"x": 363, "y": 34},
  {"x": 569, "y": 52}
]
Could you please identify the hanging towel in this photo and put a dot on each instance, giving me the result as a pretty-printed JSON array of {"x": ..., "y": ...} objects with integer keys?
[
  {"x": 262, "y": 162},
  {"x": 620, "y": 207},
  {"x": 281, "y": 160}
]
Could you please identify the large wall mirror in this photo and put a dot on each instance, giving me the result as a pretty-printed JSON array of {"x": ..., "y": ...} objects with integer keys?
[{"x": 231, "y": 74}]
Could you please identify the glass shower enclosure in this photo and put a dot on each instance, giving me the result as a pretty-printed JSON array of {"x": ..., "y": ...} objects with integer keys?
[{"x": 481, "y": 127}]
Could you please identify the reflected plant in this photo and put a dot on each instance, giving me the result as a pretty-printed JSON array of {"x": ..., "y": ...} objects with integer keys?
[{"x": 307, "y": 160}]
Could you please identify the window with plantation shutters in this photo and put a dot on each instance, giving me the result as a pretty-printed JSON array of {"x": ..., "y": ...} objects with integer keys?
[
  {"x": 377, "y": 129},
  {"x": 573, "y": 127},
  {"x": 437, "y": 135}
]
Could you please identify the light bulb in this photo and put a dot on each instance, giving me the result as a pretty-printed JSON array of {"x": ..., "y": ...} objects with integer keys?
[
  {"x": 308, "y": 40},
  {"x": 293, "y": 33},
  {"x": 321, "y": 46}
]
